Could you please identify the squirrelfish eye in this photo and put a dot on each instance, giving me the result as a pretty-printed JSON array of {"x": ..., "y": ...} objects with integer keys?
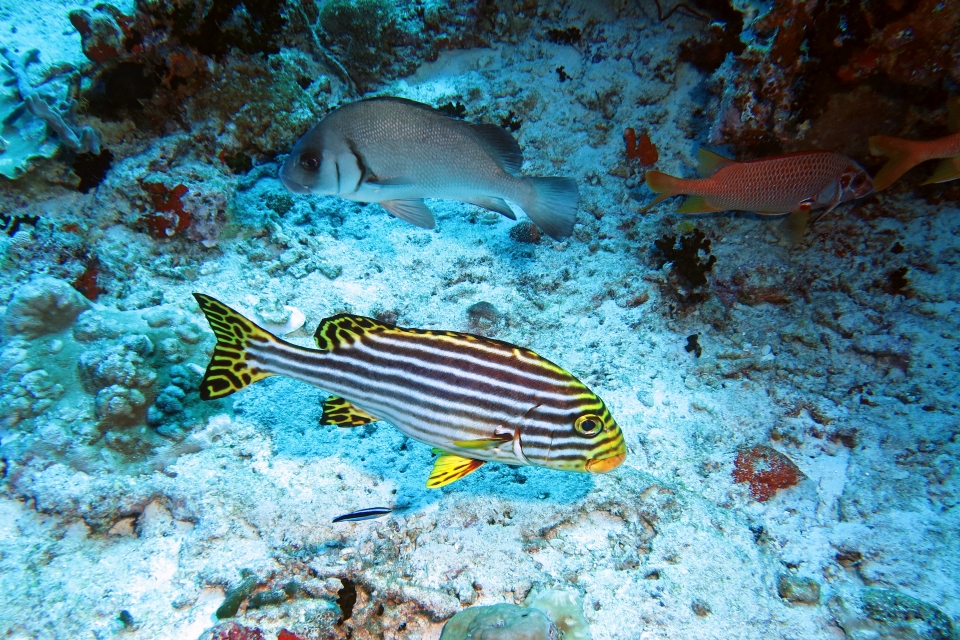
[
  {"x": 859, "y": 181},
  {"x": 309, "y": 162},
  {"x": 588, "y": 425}
]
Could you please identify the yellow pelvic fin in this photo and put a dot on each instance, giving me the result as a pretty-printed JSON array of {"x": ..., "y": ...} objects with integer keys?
[
  {"x": 953, "y": 114},
  {"x": 482, "y": 443},
  {"x": 796, "y": 225},
  {"x": 948, "y": 169},
  {"x": 229, "y": 369},
  {"x": 696, "y": 204},
  {"x": 449, "y": 468},
  {"x": 709, "y": 162},
  {"x": 340, "y": 412}
]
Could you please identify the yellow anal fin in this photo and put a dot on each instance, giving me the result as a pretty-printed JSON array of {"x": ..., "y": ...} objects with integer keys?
[
  {"x": 796, "y": 225},
  {"x": 696, "y": 204},
  {"x": 340, "y": 412},
  {"x": 229, "y": 369},
  {"x": 949, "y": 169},
  {"x": 482, "y": 443},
  {"x": 450, "y": 468}
]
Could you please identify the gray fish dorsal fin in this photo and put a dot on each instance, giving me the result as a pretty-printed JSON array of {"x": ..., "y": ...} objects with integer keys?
[
  {"x": 345, "y": 328},
  {"x": 413, "y": 211},
  {"x": 709, "y": 162},
  {"x": 503, "y": 145}
]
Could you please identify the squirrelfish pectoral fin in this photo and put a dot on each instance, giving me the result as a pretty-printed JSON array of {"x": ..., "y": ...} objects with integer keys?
[
  {"x": 482, "y": 443},
  {"x": 494, "y": 204},
  {"x": 796, "y": 225},
  {"x": 450, "y": 468},
  {"x": 343, "y": 414},
  {"x": 708, "y": 162},
  {"x": 948, "y": 169},
  {"x": 413, "y": 211},
  {"x": 696, "y": 204}
]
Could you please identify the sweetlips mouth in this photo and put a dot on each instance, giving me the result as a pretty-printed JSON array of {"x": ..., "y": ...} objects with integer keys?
[
  {"x": 602, "y": 465},
  {"x": 293, "y": 186}
]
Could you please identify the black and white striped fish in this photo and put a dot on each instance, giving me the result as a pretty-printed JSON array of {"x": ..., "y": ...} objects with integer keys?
[{"x": 474, "y": 399}]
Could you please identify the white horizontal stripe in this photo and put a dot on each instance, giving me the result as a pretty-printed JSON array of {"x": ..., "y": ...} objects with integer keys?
[{"x": 386, "y": 340}]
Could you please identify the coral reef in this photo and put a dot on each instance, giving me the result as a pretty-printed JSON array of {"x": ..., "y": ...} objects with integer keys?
[
  {"x": 119, "y": 382},
  {"x": 499, "y": 622},
  {"x": 36, "y": 121},
  {"x": 784, "y": 89}
]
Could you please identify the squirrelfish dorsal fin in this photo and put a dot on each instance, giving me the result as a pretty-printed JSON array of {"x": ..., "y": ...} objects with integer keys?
[
  {"x": 342, "y": 413},
  {"x": 345, "y": 329},
  {"x": 708, "y": 162},
  {"x": 953, "y": 114},
  {"x": 449, "y": 468}
]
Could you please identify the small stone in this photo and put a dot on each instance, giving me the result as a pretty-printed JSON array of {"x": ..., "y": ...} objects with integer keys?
[
  {"x": 700, "y": 608},
  {"x": 483, "y": 313},
  {"x": 525, "y": 232},
  {"x": 798, "y": 590},
  {"x": 267, "y": 598},
  {"x": 331, "y": 271}
]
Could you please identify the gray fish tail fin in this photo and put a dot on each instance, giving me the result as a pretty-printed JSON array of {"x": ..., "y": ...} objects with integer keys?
[
  {"x": 229, "y": 369},
  {"x": 553, "y": 205}
]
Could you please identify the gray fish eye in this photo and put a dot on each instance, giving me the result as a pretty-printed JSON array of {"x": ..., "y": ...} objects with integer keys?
[{"x": 309, "y": 162}]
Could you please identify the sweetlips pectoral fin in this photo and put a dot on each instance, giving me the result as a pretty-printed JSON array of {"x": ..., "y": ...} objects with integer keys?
[
  {"x": 494, "y": 204},
  {"x": 340, "y": 412},
  {"x": 482, "y": 443},
  {"x": 948, "y": 169},
  {"x": 696, "y": 204},
  {"x": 413, "y": 211},
  {"x": 449, "y": 468}
]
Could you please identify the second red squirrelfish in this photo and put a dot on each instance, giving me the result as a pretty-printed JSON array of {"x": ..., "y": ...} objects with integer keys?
[
  {"x": 794, "y": 183},
  {"x": 906, "y": 154}
]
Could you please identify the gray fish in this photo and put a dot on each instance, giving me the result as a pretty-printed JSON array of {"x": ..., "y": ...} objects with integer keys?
[
  {"x": 396, "y": 152},
  {"x": 364, "y": 514}
]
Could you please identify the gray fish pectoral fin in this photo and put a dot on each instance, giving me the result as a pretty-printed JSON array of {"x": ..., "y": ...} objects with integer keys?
[
  {"x": 413, "y": 211},
  {"x": 494, "y": 204}
]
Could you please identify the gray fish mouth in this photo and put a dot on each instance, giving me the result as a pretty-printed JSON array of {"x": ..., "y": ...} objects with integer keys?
[{"x": 293, "y": 186}]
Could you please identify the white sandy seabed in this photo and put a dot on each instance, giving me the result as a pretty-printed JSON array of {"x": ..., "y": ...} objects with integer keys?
[{"x": 855, "y": 385}]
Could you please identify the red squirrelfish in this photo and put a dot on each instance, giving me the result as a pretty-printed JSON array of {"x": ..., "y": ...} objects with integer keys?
[
  {"x": 906, "y": 154},
  {"x": 793, "y": 183}
]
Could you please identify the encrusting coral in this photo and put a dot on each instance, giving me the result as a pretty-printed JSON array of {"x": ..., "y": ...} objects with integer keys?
[{"x": 29, "y": 115}]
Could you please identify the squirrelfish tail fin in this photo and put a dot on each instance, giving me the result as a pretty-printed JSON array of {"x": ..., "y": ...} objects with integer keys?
[
  {"x": 904, "y": 155},
  {"x": 666, "y": 185},
  {"x": 229, "y": 369},
  {"x": 553, "y": 205}
]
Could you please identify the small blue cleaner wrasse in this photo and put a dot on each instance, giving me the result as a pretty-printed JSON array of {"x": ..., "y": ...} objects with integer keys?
[
  {"x": 396, "y": 152},
  {"x": 363, "y": 514},
  {"x": 475, "y": 400}
]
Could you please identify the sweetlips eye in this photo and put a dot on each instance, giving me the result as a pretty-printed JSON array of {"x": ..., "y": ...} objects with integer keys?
[
  {"x": 309, "y": 162},
  {"x": 588, "y": 425}
]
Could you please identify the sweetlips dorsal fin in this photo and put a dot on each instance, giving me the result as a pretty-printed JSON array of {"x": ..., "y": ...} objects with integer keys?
[
  {"x": 503, "y": 145},
  {"x": 953, "y": 114},
  {"x": 343, "y": 413},
  {"x": 709, "y": 162},
  {"x": 345, "y": 329}
]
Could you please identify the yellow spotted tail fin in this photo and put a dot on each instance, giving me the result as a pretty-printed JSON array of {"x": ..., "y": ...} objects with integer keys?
[
  {"x": 229, "y": 369},
  {"x": 904, "y": 155}
]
